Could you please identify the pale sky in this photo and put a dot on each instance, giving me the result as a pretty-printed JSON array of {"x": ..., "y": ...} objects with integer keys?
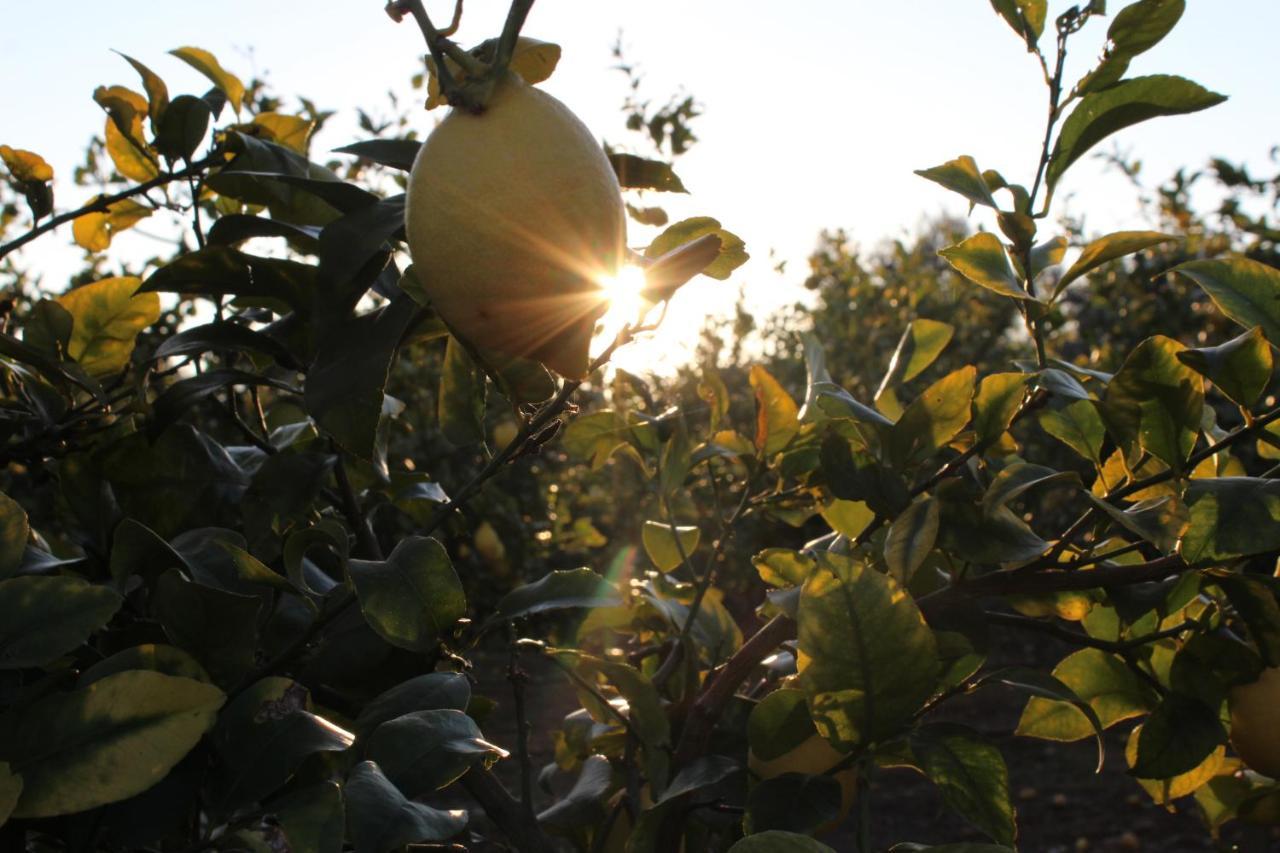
[{"x": 816, "y": 111}]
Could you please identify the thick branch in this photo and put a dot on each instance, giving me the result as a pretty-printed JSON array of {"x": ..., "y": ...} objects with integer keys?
[{"x": 506, "y": 811}]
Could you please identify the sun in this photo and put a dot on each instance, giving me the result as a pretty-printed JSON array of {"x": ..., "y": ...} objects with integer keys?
[{"x": 623, "y": 292}]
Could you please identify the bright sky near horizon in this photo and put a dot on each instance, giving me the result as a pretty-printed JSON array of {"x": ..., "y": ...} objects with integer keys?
[{"x": 815, "y": 115}]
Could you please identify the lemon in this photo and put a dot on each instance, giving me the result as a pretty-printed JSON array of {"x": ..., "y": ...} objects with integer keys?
[
  {"x": 813, "y": 756},
  {"x": 488, "y": 544},
  {"x": 1254, "y": 730},
  {"x": 504, "y": 433},
  {"x": 513, "y": 217}
]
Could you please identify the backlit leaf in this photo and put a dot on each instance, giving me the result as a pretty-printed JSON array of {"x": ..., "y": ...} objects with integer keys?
[
  {"x": 411, "y": 597},
  {"x": 25, "y": 165},
  {"x": 1109, "y": 248},
  {"x": 108, "y": 314},
  {"x": 1245, "y": 290},
  {"x": 1097, "y": 677},
  {"x": 777, "y": 420},
  {"x": 1239, "y": 368},
  {"x": 207, "y": 64},
  {"x": 934, "y": 418},
  {"x": 1155, "y": 402},
  {"x": 911, "y": 538},
  {"x": 93, "y": 231},
  {"x": 961, "y": 176},
  {"x": 1100, "y": 114},
  {"x": 970, "y": 773},
  {"x": 660, "y": 543},
  {"x": 733, "y": 252},
  {"x": 983, "y": 260}
]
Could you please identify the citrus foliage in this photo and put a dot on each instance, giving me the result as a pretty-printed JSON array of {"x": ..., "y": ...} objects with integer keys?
[{"x": 231, "y": 617}]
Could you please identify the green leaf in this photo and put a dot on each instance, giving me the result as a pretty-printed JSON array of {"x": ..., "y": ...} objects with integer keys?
[
  {"x": 983, "y": 260},
  {"x": 777, "y": 416},
  {"x": 921, "y": 343},
  {"x": 640, "y": 174},
  {"x": 961, "y": 176},
  {"x": 461, "y": 402},
  {"x": 219, "y": 628},
  {"x": 777, "y": 841},
  {"x": 934, "y": 418},
  {"x": 1240, "y": 368},
  {"x": 411, "y": 597},
  {"x": 1245, "y": 290},
  {"x": 185, "y": 393},
  {"x": 848, "y": 518},
  {"x": 108, "y": 741},
  {"x": 14, "y": 531},
  {"x": 1180, "y": 734},
  {"x": 221, "y": 271},
  {"x": 223, "y": 336},
  {"x": 263, "y": 737},
  {"x": 782, "y": 566},
  {"x": 1255, "y": 601},
  {"x": 381, "y": 819},
  {"x": 42, "y": 618},
  {"x": 971, "y": 774},
  {"x": 1140, "y": 26},
  {"x": 152, "y": 657},
  {"x": 872, "y": 660},
  {"x": 1017, "y": 479},
  {"x": 1079, "y": 427},
  {"x": 1026, "y": 17},
  {"x": 1160, "y": 521},
  {"x": 207, "y": 64},
  {"x": 108, "y": 315},
  {"x": 184, "y": 126},
  {"x": 703, "y": 772},
  {"x": 1155, "y": 403},
  {"x": 584, "y": 804},
  {"x": 824, "y": 398},
  {"x": 424, "y": 751},
  {"x": 911, "y": 538},
  {"x": 1231, "y": 516},
  {"x": 660, "y": 543},
  {"x": 793, "y": 802},
  {"x": 1100, "y": 114},
  {"x": 1097, "y": 677},
  {"x": 312, "y": 818},
  {"x": 1106, "y": 249},
  {"x": 396, "y": 153},
  {"x": 557, "y": 590},
  {"x": 346, "y": 382},
  {"x": 429, "y": 692},
  {"x": 997, "y": 402},
  {"x": 1046, "y": 686},
  {"x": 733, "y": 252}
]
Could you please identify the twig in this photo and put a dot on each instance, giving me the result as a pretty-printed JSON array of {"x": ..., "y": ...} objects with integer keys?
[
  {"x": 518, "y": 677},
  {"x": 101, "y": 204},
  {"x": 365, "y": 538},
  {"x": 1078, "y": 638},
  {"x": 506, "y": 811}
]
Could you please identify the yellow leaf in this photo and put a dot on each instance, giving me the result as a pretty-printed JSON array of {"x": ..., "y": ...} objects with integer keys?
[
  {"x": 289, "y": 131},
  {"x": 126, "y": 108},
  {"x": 532, "y": 59},
  {"x": 776, "y": 413},
  {"x": 207, "y": 64},
  {"x": 129, "y": 161},
  {"x": 107, "y": 319},
  {"x": 94, "y": 231},
  {"x": 157, "y": 91},
  {"x": 26, "y": 165}
]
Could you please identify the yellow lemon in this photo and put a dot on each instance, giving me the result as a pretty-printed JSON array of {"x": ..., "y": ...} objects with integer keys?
[
  {"x": 813, "y": 756},
  {"x": 504, "y": 433},
  {"x": 513, "y": 217},
  {"x": 1255, "y": 723},
  {"x": 488, "y": 544}
]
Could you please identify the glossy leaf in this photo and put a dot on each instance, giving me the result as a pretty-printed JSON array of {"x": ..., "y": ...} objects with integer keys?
[
  {"x": 1109, "y": 248},
  {"x": 1100, "y": 114},
  {"x": 1140, "y": 26},
  {"x": 1018, "y": 478},
  {"x": 792, "y": 802},
  {"x": 782, "y": 566},
  {"x": 152, "y": 657},
  {"x": 185, "y": 124},
  {"x": 1160, "y": 521},
  {"x": 312, "y": 818},
  {"x": 381, "y": 819},
  {"x": 920, "y": 345},
  {"x": 42, "y": 618},
  {"x": 222, "y": 271},
  {"x": 105, "y": 742},
  {"x": 424, "y": 751},
  {"x": 777, "y": 841},
  {"x": 983, "y": 260},
  {"x": 263, "y": 736},
  {"x": 396, "y": 153},
  {"x": 219, "y": 628},
  {"x": 429, "y": 692},
  {"x": 557, "y": 590},
  {"x": 869, "y": 659},
  {"x": 1165, "y": 791},
  {"x": 1025, "y": 17},
  {"x": 411, "y": 597},
  {"x": 584, "y": 804},
  {"x": 1245, "y": 290}
]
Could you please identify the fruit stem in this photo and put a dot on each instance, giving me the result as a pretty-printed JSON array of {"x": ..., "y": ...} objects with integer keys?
[
  {"x": 510, "y": 33},
  {"x": 440, "y": 46}
]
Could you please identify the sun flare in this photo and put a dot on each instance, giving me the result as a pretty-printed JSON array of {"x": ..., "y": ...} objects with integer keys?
[{"x": 623, "y": 292}]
